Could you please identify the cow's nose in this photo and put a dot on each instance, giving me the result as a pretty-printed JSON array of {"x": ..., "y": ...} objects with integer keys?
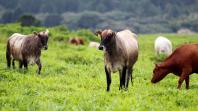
[
  {"x": 152, "y": 81},
  {"x": 46, "y": 47},
  {"x": 100, "y": 47}
]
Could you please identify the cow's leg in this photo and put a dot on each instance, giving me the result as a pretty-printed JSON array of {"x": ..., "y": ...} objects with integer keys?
[
  {"x": 25, "y": 63},
  {"x": 38, "y": 62},
  {"x": 8, "y": 58},
  {"x": 187, "y": 82},
  {"x": 120, "y": 75},
  {"x": 8, "y": 62},
  {"x": 13, "y": 64},
  {"x": 20, "y": 64},
  {"x": 184, "y": 75},
  {"x": 123, "y": 77},
  {"x": 129, "y": 75},
  {"x": 132, "y": 76},
  {"x": 108, "y": 76}
]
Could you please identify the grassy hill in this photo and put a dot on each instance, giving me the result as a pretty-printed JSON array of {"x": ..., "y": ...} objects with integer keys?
[{"x": 73, "y": 78}]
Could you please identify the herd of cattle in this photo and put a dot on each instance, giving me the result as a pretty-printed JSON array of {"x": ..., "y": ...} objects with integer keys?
[{"x": 120, "y": 54}]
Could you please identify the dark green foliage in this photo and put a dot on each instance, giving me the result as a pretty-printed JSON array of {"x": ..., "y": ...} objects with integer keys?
[
  {"x": 28, "y": 20},
  {"x": 88, "y": 20},
  {"x": 142, "y": 16},
  {"x": 53, "y": 20},
  {"x": 8, "y": 17}
]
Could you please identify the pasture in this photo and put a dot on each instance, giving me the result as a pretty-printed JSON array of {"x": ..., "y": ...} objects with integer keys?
[{"x": 73, "y": 78}]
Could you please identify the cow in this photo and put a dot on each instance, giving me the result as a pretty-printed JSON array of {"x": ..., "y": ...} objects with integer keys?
[
  {"x": 182, "y": 62},
  {"x": 120, "y": 54},
  {"x": 94, "y": 44},
  {"x": 26, "y": 49},
  {"x": 76, "y": 41},
  {"x": 163, "y": 46}
]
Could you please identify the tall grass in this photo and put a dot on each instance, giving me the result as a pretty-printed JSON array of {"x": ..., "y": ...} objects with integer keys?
[{"x": 73, "y": 78}]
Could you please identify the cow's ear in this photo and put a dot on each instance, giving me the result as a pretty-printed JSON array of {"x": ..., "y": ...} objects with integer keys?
[
  {"x": 99, "y": 32},
  {"x": 113, "y": 34},
  {"x": 35, "y": 33},
  {"x": 156, "y": 65}
]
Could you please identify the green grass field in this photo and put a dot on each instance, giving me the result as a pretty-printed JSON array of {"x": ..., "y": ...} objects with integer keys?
[{"x": 73, "y": 78}]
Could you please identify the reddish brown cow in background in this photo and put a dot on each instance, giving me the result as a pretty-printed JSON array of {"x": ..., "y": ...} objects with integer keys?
[
  {"x": 182, "y": 62},
  {"x": 76, "y": 41}
]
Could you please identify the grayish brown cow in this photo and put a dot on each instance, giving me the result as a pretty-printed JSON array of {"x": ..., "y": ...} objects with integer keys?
[
  {"x": 120, "y": 54},
  {"x": 26, "y": 49}
]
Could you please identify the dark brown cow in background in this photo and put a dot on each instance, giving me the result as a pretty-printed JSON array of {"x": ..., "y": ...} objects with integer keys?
[
  {"x": 182, "y": 62},
  {"x": 120, "y": 54},
  {"x": 76, "y": 41},
  {"x": 26, "y": 49}
]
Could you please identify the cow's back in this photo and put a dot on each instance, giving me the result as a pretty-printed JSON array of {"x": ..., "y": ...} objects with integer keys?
[
  {"x": 16, "y": 43},
  {"x": 187, "y": 59},
  {"x": 128, "y": 43},
  {"x": 163, "y": 45}
]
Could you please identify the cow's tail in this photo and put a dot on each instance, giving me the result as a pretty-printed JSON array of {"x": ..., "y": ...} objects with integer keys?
[
  {"x": 131, "y": 79},
  {"x": 8, "y": 57}
]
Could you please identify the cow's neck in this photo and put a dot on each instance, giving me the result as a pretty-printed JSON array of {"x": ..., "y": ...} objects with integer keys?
[
  {"x": 112, "y": 49},
  {"x": 168, "y": 64},
  {"x": 39, "y": 43},
  {"x": 35, "y": 43}
]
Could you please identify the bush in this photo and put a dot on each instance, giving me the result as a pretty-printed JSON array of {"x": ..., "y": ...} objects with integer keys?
[{"x": 28, "y": 20}]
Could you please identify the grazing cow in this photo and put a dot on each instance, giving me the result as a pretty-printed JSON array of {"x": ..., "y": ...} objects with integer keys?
[
  {"x": 182, "y": 62},
  {"x": 120, "y": 54},
  {"x": 26, "y": 49},
  {"x": 94, "y": 44},
  {"x": 76, "y": 41},
  {"x": 163, "y": 46}
]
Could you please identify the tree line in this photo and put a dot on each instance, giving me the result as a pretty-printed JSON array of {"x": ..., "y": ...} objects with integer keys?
[{"x": 142, "y": 16}]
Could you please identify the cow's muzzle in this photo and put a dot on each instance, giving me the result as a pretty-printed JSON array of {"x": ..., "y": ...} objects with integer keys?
[
  {"x": 101, "y": 47},
  {"x": 45, "y": 47},
  {"x": 153, "y": 81}
]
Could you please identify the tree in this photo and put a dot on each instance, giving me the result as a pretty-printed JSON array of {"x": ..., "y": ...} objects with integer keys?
[
  {"x": 18, "y": 12},
  {"x": 53, "y": 20},
  {"x": 28, "y": 20},
  {"x": 7, "y": 17},
  {"x": 89, "y": 20}
]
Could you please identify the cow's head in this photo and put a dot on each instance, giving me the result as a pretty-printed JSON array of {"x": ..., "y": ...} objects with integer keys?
[
  {"x": 43, "y": 36},
  {"x": 107, "y": 37},
  {"x": 159, "y": 73}
]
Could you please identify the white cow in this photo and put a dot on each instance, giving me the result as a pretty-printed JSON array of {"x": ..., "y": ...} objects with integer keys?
[
  {"x": 163, "y": 46},
  {"x": 94, "y": 44}
]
